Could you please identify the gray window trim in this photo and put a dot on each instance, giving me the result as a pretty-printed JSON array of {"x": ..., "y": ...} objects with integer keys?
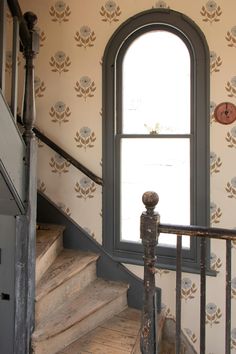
[{"x": 194, "y": 39}]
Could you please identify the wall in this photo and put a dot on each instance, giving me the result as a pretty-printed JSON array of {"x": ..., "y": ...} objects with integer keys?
[{"x": 73, "y": 35}]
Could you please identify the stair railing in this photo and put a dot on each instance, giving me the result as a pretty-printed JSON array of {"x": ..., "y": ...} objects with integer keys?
[
  {"x": 26, "y": 37},
  {"x": 150, "y": 229}
]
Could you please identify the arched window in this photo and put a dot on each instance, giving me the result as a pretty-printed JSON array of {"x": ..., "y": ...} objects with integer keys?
[{"x": 155, "y": 131}]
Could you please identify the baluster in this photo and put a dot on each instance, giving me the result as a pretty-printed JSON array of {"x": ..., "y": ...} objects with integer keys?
[
  {"x": 178, "y": 295},
  {"x": 203, "y": 295},
  {"x": 228, "y": 298},
  {"x": 149, "y": 235},
  {"x": 29, "y": 113},
  {"x": 28, "y": 118},
  {"x": 14, "y": 78},
  {"x": 2, "y": 44}
]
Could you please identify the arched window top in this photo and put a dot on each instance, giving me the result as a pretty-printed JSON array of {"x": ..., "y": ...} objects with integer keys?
[
  {"x": 157, "y": 19},
  {"x": 156, "y": 98}
]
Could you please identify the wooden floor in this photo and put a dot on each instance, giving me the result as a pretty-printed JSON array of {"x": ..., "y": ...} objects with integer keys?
[{"x": 119, "y": 335}]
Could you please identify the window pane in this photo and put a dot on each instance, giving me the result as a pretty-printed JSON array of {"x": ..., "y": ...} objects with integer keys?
[
  {"x": 160, "y": 165},
  {"x": 156, "y": 85}
]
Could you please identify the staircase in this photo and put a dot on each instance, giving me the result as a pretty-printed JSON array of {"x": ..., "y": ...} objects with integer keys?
[{"x": 76, "y": 312}]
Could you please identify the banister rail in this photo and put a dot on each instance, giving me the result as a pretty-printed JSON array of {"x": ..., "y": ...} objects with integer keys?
[
  {"x": 198, "y": 231},
  {"x": 150, "y": 229},
  {"x": 24, "y": 31},
  {"x": 65, "y": 155},
  {"x": 68, "y": 157}
]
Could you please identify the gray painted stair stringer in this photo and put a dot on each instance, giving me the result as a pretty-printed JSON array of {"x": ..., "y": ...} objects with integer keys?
[{"x": 77, "y": 238}]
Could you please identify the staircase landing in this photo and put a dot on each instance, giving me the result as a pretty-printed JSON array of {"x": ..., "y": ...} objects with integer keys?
[{"x": 119, "y": 335}]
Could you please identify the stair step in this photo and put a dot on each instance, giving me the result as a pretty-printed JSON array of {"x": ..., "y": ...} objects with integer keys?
[
  {"x": 71, "y": 272},
  {"x": 97, "y": 302},
  {"x": 49, "y": 244},
  {"x": 119, "y": 335}
]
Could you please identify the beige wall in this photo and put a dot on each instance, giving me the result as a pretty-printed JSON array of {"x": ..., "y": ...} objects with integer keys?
[{"x": 73, "y": 39}]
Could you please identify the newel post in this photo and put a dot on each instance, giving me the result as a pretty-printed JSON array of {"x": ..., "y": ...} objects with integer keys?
[
  {"x": 149, "y": 235},
  {"x": 28, "y": 119},
  {"x": 29, "y": 52}
]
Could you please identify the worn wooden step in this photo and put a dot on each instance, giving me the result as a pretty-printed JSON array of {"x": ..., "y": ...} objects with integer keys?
[
  {"x": 71, "y": 272},
  {"x": 49, "y": 244},
  {"x": 97, "y": 302},
  {"x": 119, "y": 335}
]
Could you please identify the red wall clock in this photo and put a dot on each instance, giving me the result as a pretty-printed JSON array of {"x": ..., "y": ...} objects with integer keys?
[{"x": 225, "y": 113}]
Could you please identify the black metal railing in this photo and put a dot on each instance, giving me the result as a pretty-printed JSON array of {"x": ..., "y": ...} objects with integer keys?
[{"x": 150, "y": 230}]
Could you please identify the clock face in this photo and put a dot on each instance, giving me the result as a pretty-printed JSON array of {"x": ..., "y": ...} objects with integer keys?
[{"x": 225, "y": 113}]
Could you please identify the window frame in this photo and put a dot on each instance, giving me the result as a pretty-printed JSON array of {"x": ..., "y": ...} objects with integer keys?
[{"x": 195, "y": 41}]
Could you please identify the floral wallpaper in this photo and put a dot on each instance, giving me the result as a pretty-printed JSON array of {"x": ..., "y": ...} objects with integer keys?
[{"x": 68, "y": 88}]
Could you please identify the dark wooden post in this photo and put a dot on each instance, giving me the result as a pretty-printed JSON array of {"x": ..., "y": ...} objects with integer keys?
[
  {"x": 25, "y": 268},
  {"x": 149, "y": 235}
]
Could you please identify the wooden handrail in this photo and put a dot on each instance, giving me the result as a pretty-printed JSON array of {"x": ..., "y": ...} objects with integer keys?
[
  {"x": 65, "y": 155},
  {"x": 68, "y": 157},
  {"x": 24, "y": 31}
]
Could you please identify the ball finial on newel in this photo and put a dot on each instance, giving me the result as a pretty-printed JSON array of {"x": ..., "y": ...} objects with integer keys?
[
  {"x": 150, "y": 200},
  {"x": 31, "y": 19}
]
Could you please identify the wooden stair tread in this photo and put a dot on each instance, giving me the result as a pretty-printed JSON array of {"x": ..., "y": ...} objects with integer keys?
[
  {"x": 66, "y": 265},
  {"x": 119, "y": 335},
  {"x": 95, "y": 296},
  {"x": 46, "y": 236}
]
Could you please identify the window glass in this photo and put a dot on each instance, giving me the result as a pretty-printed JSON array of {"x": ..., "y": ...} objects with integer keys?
[
  {"x": 161, "y": 165},
  {"x": 156, "y": 85}
]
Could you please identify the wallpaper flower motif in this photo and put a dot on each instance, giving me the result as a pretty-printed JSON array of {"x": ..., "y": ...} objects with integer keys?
[
  {"x": 60, "y": 112},
  {"x": 168, "y": 312},
  {"x": 231, "y": 37},
  {"x": 85, "y": 37},
  {"x": 215, "y": 163},
  {"x": 231, "y": 137},
  {"x": 110, "y": 12},
  {"x": 213, "y": 314},
  {"x": 215, "y": 262},
  {"x": 188, "y": 289},
  {"x": 60, "y": 62},
  {"x": 39, "y": 142},
  {"x": 8, "y": 65},
  {"x": 233, "y": 243},
  {"x": 212, "y": 110},
  {"x": 216, "y": 213},
  {"x": 231, "y": 188},
  {"x": 215, "y": 62},
  {"x": 233, "y": 338},
  {"x": 85, "y": 188},
  {"x": 211, "y": 12},
  {"x": 191, "y": 335},
  {"x": 60, "y": 12},
  {"x": 39, "y": 87},
  {"x": 233, "y": 288},
  {"x": 231, "y": 87},
  {"x": 85, "y": 87},
  {"x": 64, "y": 208},
  {"x": 41, "y": 186},
  {"x": 59, "y": 164},
  {"x": 160, "y": 272},
  {"x": 89, "y": 232},
  {"x": 161, "y": 5},
  {"x": 42, "y": 36},
  {"x": 85, "y": 138}
]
